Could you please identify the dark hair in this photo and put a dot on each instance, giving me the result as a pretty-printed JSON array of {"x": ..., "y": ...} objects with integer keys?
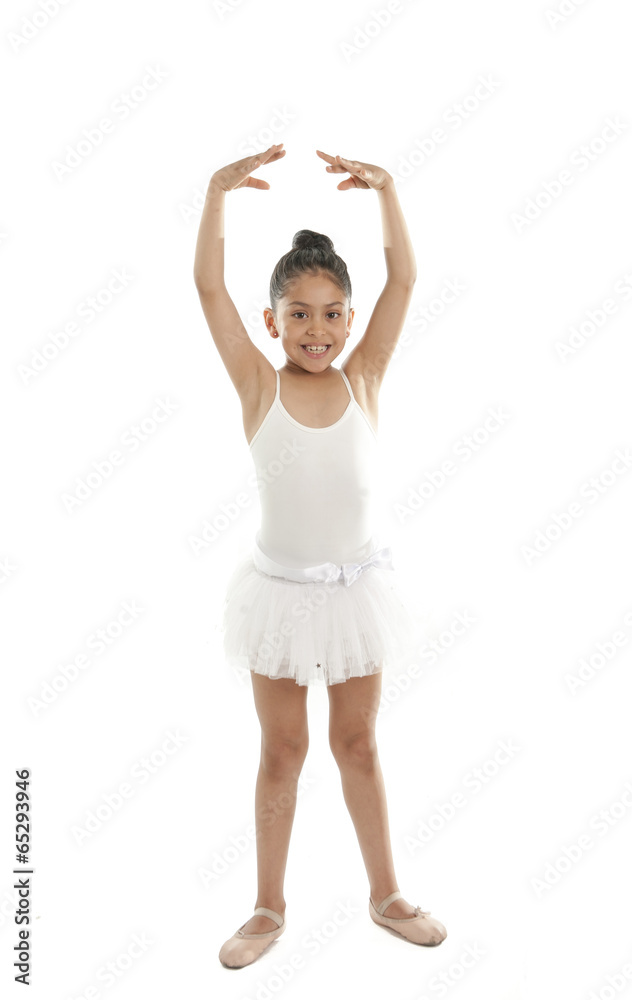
[{"x": 311, "y": 252}]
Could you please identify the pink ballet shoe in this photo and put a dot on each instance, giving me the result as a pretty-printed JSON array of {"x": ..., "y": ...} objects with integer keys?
[
  {"x": 420, "y": 929},
  {"x": 242, "y": 949}
]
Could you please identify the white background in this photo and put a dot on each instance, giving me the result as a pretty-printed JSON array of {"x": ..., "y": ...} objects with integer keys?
[{"x": 234, "y": 80}]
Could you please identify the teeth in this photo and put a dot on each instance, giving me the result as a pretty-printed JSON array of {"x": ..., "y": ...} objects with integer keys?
[{"x": 316, "y": 350}]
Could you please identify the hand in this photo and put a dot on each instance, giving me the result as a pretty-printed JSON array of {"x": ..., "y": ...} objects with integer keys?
[
  {"x": 363, "y": 175},
  {"x": 236, "y": 175}
]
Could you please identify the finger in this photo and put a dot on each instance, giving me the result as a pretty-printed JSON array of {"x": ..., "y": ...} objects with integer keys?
[
  {"x": 272, "y": 153},
  {"x": 277, "y": 156},
  {"x": 339, "y": 165},
  {"x": 352, "y": 182},
  {"x": 325, "y": 156}
]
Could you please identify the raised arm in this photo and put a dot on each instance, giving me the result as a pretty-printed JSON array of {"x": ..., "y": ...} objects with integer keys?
[
  {"x": 243, "y": 360},
  {"x": 371, "y": 355}
]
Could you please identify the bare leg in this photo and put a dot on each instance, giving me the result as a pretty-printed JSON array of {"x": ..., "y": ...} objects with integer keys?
[
  {"x": 353, "y": 707},
  {"x": 281, "y": 706}
]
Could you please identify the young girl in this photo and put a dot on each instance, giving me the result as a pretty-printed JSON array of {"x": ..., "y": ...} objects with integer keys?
[{"x": 316, "y": 601}]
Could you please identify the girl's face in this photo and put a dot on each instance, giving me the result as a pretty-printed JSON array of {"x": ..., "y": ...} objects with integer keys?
[{"x": 313, "y": 313}]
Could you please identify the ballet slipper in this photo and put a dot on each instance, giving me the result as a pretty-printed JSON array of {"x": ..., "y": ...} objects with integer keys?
[
  {"x": 420, "y": 929},
  {"x": 242, "y": 949}
]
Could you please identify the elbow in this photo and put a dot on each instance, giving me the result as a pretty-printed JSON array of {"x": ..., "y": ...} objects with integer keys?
[
  {"x": 403, "y": 276},
  {"x": 405, "y": 280},
  {"x": 203, "y": 285},
  {"x": 198, "y": 278}
]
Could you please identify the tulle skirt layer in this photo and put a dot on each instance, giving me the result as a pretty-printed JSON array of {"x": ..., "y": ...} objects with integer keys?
[{"x": 315, "y": 633}]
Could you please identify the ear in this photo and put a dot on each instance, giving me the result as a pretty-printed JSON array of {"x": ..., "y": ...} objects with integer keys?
[{"x": 268, "y": 319}]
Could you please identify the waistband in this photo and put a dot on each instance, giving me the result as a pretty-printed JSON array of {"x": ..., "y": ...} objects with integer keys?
[{"x": 329, "y": 572}]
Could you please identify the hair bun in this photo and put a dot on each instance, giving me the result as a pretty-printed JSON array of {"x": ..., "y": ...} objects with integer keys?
[{"x": 307, "y": 239}]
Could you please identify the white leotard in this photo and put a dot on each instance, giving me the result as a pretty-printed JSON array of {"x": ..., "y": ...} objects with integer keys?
[{"x": 315, "y": 486}]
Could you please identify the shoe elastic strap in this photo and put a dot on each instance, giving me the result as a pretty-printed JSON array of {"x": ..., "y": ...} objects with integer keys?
[
  {"x": 387, "y": 902},
  {"x": 263, "y": 911}
]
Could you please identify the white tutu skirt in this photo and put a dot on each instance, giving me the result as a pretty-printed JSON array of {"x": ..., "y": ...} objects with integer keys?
[{"x": 313, "y": 632}]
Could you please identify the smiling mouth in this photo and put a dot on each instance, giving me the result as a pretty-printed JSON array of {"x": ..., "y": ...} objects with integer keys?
[{"x": 316, "y": 350}]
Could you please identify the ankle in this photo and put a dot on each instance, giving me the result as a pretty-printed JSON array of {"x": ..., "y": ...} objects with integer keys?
[
  {"x": 377, "y": 897},
  {"x": 278, "y": 907}
]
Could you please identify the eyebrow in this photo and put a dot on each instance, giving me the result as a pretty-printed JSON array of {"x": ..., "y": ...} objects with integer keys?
[{"x": 307, "y": 304}]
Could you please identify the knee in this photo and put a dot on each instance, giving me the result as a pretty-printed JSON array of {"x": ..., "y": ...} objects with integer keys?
[
  {"x": 283, "y": 757},
  {"x": 359, "y": 751}
]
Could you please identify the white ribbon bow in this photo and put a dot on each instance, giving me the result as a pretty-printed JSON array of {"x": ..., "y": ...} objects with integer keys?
[{"x": 349, "y": 572}]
